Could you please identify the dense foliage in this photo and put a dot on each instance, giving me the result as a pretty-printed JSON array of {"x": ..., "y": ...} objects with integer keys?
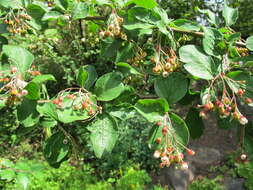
[{"x": 109, "y": 76}]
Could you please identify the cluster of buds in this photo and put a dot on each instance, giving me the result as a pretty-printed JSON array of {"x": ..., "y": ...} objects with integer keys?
[
  {"x": 79, "y": 101},
  {"x": 226, "y": 107},
  {"x": 165, "y": 62},
  {"x": 33, "y": 71},
  {"x": 138, "y": 58},
  {"x": 242, "y": 51},
  {"x": 114, "y": 27},
  {"x": 17, "y": 24},
  {"x": 12, "y": 89},
  {"x": 170, "y": 151}
]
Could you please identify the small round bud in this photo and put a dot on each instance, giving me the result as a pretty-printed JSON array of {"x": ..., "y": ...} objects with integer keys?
[{"x": 243, "y": 157}]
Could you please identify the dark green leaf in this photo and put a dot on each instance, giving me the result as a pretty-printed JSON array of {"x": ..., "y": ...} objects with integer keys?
[
  {"x": 33, "y": 91},
  {"x": 194, "y": 123},
  {"x": 27, "y": 113},
  {"x": 57, "y": 149},
  {"x": 125, "y": 68},
  {"x": 165, "y": 87}
]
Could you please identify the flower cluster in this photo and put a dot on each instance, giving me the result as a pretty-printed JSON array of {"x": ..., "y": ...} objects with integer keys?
[
  {"x": 17, "y": 22},
  {"x": 80, "y": 100},
  {"x": 13, "y": 85},
  {"x": 226, "y": 105},
  {"x": 114, "y": 27},
  {"x": 242, "y": 51},
  {"x": 140, "y": 55},
  {"x": 165, "y": 62},
  {"x": 170, "y": 151}
]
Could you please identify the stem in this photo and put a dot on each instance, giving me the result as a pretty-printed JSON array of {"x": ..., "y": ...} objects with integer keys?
[{"x": 242, "y": 134}]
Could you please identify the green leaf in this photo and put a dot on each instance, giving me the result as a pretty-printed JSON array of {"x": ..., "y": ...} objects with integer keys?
[
  {"x": 103, "y": 135},
  {"x": 125, "y": 52},
  {"x": 212, "y": 18},
  {"x": 57, "y": 149},
  {"x": 43, "y": 78},
  {"x": 92, "y": 76},
  {"x": 33, "y": 91},
  {"x": 195, "y": 123},
  {"x": 37, "y": 9},
  {"x": 23, "y": 180},
  {"x": 48, "y": 122},
  {"x": 241, "y": 76},
  {"x": 2, "y": 103},
  {"x": 82, "y": 77},
  {"x": 125, "y": 68},
  {"x": 230, "y": 14},
  {"x": 165, "y": 87},
  {"x": 27, "y": 113},
  {"x": 20, "y": 57},
  {"x": 109, "y": 86},
  {"x": 48, "y": 109},
  {"x": 7, "y": 174},
  {"x": 80, "y": 10},
  {"x": 197, "y": 63},
  {"x": 249, "y": 43},
  {"x": 184, "y": 24},
  {"x": 152, "y": 109},
  {"x": 211, "y": 37},
  {"x": 149, "y": 4},
  {"x": 181, "y": 129},
  {"x": 138, "y": 25},
  {"x": 14, "y": 4},
  {"x": 52, "y": 15}
]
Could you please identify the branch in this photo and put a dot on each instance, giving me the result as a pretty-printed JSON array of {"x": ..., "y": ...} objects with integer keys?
[
  {"x": 200, "y": 34},
  {"x": 94, "y": 18}
]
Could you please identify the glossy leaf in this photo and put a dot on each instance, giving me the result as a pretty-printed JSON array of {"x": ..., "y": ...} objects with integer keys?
[{"x": 173, "y": 88}]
